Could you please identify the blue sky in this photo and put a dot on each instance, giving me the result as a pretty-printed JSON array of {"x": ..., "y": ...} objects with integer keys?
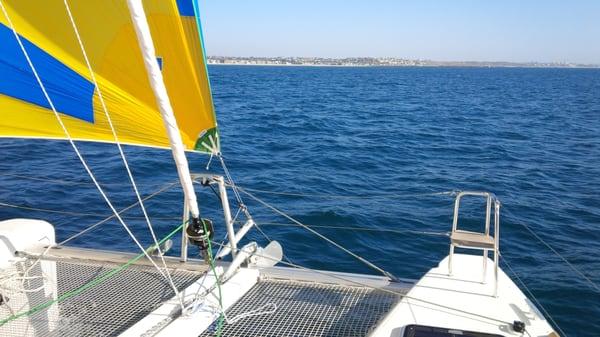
[{"x": 502, "y": 30}]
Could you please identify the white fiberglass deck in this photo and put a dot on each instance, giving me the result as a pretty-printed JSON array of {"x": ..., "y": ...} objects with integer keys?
[{"x": 463, "y": 302}]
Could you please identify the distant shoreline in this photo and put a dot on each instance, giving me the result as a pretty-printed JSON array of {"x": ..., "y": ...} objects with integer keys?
[
  {"x": 395, "y": 66},
  {"x": 383, "y": 62}
]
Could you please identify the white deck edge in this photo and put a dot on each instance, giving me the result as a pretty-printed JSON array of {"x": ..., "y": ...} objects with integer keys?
[{"x": 161, "y": 322}]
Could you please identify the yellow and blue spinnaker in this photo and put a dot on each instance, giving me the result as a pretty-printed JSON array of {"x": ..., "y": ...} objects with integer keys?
[{"x": 110, "y": 41}]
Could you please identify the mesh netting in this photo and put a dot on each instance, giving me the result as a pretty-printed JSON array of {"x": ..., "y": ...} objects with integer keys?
[
  {"x": 107, "y": 309},
  {"x": 307, "y": 309}
]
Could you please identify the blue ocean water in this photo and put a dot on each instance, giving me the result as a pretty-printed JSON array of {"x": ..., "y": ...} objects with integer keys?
[{"x": 370, "y": 145}]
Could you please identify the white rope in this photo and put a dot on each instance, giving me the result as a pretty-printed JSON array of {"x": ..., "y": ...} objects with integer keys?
[
  {"x": 89, "y": 228},
  {"x": 591, "y": 283},
  {"x": 155, "y": 78},
  {"x": 69, "y": 138},
  {"x": 56, "y": 181},
  {"x": 199, "y": 300},
  {"x": 6, "y": 278},
  {"x": 79, "y": 214},
  {"x": 360, "y": 197},
  {"x": 121, "y": 153},
  {"x": 266, "y": 309},
  {"x": 357, "y": 228},
  {"x": 209, "y": 161},
  {"x": 48, "y": 282},
  {"x": 234, "y": 187}
]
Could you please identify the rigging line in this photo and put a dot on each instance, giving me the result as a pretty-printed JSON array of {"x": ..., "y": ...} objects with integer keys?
[
  {"x": 121, "y": 153},
  {"x": 589, "y": 281},
  {"x": 361, "y": 259},
  {"x": 47, "y": 210},
  {"x": 407, "y": 231},
  {"x": 575, "y": 269},
  {"x": 387, "y": 290},
  {"x": 334, "y": 196},
  {"x": 57, "y": 181},
  {"x": 241, "y": 206},
  {"x": 70, "y": 139},
  {"x": 210, "y": 158},
  {"x": 89, "y": 228},
  {"x": 530, "y": 293},
  {"x": 232, "y": 184},
  {"x": 223, "y": 238}
]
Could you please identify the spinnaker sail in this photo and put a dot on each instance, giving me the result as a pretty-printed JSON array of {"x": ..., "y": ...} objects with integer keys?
[{"x": 111, "y": 44}]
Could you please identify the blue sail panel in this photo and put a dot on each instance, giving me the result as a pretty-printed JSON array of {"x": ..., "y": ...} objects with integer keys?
[
  {"x": 185, "y": 7},
  {"x": 71, "y": 93}
]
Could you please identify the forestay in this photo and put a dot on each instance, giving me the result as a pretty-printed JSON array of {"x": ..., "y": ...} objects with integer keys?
[{"x": 107, "y": 32}]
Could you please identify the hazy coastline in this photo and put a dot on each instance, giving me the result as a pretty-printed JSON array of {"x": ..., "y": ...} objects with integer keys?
[{"x": 383, "y": 62}]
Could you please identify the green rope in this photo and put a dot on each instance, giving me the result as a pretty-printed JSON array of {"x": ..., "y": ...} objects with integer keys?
[
  {"x": 211, "y": 261},
  {"x": 90, "y": 284}
]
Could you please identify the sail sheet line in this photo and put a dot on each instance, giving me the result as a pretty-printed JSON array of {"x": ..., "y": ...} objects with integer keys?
[
  {"x": 68, "y": 137},
  {"x": 122, "y": 154}
]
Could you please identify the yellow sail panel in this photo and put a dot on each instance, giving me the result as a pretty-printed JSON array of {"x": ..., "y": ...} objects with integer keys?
[{"x": 110, "y": 42}]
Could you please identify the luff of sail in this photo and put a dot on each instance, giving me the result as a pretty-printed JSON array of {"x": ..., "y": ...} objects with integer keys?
[
  {"x": 142, "y": 29},
  {"x": 111, "y": 44}
]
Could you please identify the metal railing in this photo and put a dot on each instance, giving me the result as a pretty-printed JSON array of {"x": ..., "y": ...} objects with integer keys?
[{"x": 482, "y": 241}]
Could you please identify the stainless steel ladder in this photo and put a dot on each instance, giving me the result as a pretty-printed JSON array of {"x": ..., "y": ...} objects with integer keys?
[{"x": 477, "y": 240}]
